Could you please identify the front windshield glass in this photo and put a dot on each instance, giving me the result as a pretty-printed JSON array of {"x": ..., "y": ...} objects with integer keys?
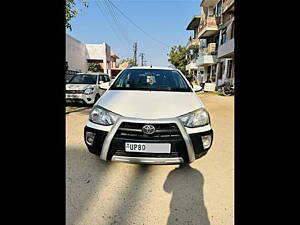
[
  {"x": 83, "y": 79},
  {"x": 151, "y": 79}
]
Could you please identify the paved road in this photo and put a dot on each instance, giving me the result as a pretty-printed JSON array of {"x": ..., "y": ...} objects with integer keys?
[{"x": 105, "y": 193}]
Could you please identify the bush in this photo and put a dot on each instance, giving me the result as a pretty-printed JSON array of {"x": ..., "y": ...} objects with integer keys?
[{"x": 94, "y": 67}]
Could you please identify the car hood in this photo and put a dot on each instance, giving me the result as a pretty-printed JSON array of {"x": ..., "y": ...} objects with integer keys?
[
  {"x": 150, "y": 104},
  {"x": 78, "y": 86}
]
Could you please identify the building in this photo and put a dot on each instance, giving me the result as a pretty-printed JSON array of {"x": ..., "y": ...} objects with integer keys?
[
  {"x": 226, "y": 44},
  {"x": 114, "y": 69},
  {"x": 208, "y": 34},
  {"x": 211, "y": 48},
  {"x": 76, "y": 55},
  {"x": 100, "y": 54},
  {"x": 193, "y": 48},
  {"x": 80, "y": 56}
]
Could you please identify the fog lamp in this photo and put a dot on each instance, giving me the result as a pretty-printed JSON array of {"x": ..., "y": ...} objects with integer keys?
[
  {"x": 206, "y": 141},
  {"x": 89, "y": 137}
]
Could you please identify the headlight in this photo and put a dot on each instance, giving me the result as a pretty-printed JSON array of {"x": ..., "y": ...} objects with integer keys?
[
  {"x": 197, "y": 118},
  {"x": 102, "y": 116},
  {"x": 88, "y": 91}
]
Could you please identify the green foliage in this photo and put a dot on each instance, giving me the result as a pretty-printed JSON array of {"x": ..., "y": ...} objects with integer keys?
[
  {"x": 72, "y": 11},
  {"x": 194, "y": 48},
  {"x": 94, "y": 67},
  {"x": 129, "y": 60},
  {"x": 177, "y": 57}
]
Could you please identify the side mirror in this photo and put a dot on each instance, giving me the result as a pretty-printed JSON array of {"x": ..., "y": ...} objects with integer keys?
[
  {"x": 100, "y": 82},
  {"x": 104, "y": 86},
  {"x": 197, "y": 88}
]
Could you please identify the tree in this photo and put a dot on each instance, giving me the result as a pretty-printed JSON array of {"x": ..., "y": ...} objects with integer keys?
[
  {"x": 72, "y": 11},
  {"x": 178, "y": 58},
  {"x": 129, "y": 60},
  {"x": 94, "y": 67}
]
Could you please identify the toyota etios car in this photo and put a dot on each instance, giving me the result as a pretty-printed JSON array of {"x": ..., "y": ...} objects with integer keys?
[{"x": 149, "y": 116}]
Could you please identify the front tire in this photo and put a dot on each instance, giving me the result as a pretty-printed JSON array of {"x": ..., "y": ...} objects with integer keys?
[{"x": 226, "y": 92}]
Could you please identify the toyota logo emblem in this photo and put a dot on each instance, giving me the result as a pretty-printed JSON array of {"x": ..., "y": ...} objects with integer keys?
[{"x": 148, "y": 129}]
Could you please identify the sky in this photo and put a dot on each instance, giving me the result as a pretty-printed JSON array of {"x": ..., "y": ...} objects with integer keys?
[{"x": 164, "y": 20}]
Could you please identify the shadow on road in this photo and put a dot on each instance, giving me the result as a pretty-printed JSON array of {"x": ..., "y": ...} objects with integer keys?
[
  {"x": 124, "y": 209},
  {"x": 85, "y": 176},
  {"x": 187, "y": 204}
]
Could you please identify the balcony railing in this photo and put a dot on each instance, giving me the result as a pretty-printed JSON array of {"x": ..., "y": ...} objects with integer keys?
[
  {"x": 210, "y": 22},
  {"x": 192, "y": 41},
  {"x": 211, "y": 49},
  {"x": 207, "y": 51},
  {"x": 226, "y": 50},
  {"x": 226, "y": 4},
  {"x": 206, "y": 60}
]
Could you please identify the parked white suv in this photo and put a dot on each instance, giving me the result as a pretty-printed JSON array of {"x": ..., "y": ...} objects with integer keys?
[
  {"x": 149, "y": 116},
  {"x": 85, "y": 87}
]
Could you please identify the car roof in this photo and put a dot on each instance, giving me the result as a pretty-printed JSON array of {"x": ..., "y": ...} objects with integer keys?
[
  {"x": 152, "y": 67},
  {"x": 89, "y": 73}
]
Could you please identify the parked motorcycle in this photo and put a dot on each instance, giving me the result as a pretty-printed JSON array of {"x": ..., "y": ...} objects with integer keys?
[{"x": 228, "y": 89}]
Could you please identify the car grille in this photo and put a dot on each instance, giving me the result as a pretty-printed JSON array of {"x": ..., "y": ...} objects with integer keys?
[
  {"x": 164, "y": 133},
  {"x": 134, "y": 130},
  {"x": 74, "y": 91}
]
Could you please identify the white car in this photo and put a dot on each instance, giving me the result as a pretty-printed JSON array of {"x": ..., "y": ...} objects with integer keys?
[
  {"x": 84, "y": 87},
  {"x": 149, "y": 116}
]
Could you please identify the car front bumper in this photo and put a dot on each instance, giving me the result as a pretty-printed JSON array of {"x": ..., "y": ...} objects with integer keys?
[
  {"x": 111, "y": 147},
  {"x": 80, "y": 98},
  {"x": 148, "y": 160}
]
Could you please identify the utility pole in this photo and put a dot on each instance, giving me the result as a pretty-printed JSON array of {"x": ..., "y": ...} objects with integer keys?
[
  {"x": 134, "y": 54},
  {"x": 142, "y": 59}
]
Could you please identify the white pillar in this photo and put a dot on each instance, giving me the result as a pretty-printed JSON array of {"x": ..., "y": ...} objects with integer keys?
[
  {"x": 205, "y": 74},
  {"x": 109, "y": 69},
  {"x": 225, "y": 71},
  {"x": 217, "y": 73},
  {"x": 233, "y": 69}
]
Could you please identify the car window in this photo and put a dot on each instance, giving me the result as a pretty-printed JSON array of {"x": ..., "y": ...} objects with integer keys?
[
  {"x": 83, "y": 79},
  {"x": 151, "y": 79},
  {"x": 101, "y": 78}
]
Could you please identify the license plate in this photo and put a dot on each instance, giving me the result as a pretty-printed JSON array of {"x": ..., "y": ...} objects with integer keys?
[{"x": 148, "y": 147}]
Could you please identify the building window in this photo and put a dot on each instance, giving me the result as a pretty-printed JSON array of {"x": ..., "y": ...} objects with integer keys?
[
  {"x": 219, "y": 9},
  {"x": 224, "y": 36}
]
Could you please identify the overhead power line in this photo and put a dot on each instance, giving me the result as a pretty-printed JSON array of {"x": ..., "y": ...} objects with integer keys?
[
  {"x": 104, "y": 13},
  {"x": 115, "y": 18},
  {"x": 132, "y": 22}
]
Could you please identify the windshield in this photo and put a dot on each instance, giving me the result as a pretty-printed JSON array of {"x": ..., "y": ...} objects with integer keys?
[
  {"x": 151, "y": 79},
  {"x": 83, "y": 79}
]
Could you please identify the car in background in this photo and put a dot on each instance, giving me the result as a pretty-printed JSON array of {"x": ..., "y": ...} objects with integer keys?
[
  {"x": 68, "y": 77},
  {"x": 85, "y": 88},
  {"x": 149, "y": 116}
]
